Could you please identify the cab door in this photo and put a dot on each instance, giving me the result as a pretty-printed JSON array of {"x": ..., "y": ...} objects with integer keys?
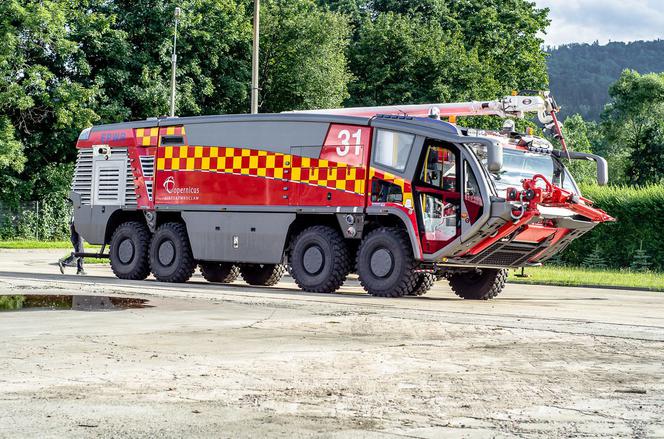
[{"x": 438, "y": 195}]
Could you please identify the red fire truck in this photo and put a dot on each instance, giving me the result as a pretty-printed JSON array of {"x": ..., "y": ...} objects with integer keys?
[{"x": 397, "y": 196}]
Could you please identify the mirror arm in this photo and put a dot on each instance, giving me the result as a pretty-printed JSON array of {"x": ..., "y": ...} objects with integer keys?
[
  {"x": 494, "y": 152},
  {"x": 602, "y": 165}
]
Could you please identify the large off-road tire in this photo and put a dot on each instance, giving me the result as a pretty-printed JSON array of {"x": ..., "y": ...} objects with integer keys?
[
  {"x": 171, "y": 259},
  {"x": 262, "y": 274},
  {"x": 385, "y": 263},
  {"x": 319, "y": 260},
  {"x": 220, "y": 272},
  {"x": 423, "y": 284},
  {"x": 481, "y": 284},
  {"x": 130, "y": 245}
]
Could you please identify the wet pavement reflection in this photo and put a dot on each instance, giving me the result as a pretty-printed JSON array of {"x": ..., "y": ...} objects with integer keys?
[{"x": 39, "y": 302}]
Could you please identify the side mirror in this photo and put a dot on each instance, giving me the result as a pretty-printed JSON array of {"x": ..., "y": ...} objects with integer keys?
[
  {"x": 602, "y": 165},
  {"x": 602, "y": 171},
  {"x": 494, "y": 157}
]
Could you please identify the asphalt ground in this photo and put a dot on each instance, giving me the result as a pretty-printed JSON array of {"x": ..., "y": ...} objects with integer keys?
[{"x": 205, "y": 360}]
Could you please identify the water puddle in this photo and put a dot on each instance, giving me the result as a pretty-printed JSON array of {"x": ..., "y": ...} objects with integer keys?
[{"x": 42, "y": 302}]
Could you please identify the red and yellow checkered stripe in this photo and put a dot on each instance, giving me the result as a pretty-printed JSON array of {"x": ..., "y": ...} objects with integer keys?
[
  {"x": 147, "y": 136},
  {"x": 257, "y": 163},
  {"x": 406, "y": 188}
]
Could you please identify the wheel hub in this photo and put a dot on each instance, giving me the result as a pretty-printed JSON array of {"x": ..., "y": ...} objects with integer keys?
[
  {"x": 382, "y": 263},
  {"x": 126, "y": 251},
  {"x": 166, "y": 253},
  {"x": 314, "y": 260}
]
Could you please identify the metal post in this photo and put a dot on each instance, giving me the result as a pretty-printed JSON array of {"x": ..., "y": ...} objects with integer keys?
[
  {"x": 174, "y": 62},
  {"x": 254, "y": 59},
  {"x": 37, "y": 231}
]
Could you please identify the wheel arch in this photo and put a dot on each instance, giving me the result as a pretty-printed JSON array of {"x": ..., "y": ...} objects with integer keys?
[
  {"x": 393, "y": 217},
  {"x": 119, "y": 217}
]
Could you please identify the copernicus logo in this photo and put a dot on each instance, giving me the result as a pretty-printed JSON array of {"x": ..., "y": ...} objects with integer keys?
[
  {"x": 169, "y": 185},
  {"x": 171, "y": 188}
]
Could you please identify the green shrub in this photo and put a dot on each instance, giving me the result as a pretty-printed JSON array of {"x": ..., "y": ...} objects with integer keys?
[{"x": 640, "y": 218}]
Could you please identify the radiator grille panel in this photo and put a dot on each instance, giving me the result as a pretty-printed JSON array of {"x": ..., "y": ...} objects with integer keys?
[
  {"x": 105, "y": 180},
  {"x": 82, "y": 182}
]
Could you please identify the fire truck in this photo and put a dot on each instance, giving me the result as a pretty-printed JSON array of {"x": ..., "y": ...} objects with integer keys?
[{"x": 398, "y": 195}]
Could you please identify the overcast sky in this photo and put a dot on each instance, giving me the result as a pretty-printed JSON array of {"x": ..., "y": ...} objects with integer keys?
[{"x": 584, "y": 21}]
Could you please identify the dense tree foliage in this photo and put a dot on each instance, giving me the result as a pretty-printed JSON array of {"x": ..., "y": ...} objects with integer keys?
[
  {"x": 437, "y": 50},
  {"x": 580, "y": 74},
  {"x": 634, "y": 125},
  {"x": 303, "y": 61}
]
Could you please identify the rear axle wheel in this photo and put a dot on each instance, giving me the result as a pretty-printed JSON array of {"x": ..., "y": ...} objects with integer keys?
[
  {"x": 171, "y": 258},
  {"x": 480, "y": 284},
  {"x": 220, "y": 272},
  {"x": 262, "y": 274}
]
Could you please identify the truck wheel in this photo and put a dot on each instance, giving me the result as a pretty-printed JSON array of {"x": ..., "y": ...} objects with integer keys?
[
  {"x": 385, "y": 263},
  {"x": 481, "y": 284},
  {"x": 129, "y": 249},
  {"x": 320, "y": 260},
  {"x": 262, "y": 274},
  {"x": 223, "y": 273},
  {"x": 423, "y": 284},
  {"x": 171, "y": 259}
]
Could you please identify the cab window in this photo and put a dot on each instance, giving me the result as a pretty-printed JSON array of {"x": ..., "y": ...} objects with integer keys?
[
  {"x": 440, "y": 168},
  {"x": 393, "y": 149}
]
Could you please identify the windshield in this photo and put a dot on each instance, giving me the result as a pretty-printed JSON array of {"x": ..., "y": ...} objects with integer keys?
[{"x": 519, "y": 165}]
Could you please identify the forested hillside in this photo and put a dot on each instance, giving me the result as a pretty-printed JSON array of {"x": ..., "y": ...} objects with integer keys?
[{"x": 580, "y": 74}]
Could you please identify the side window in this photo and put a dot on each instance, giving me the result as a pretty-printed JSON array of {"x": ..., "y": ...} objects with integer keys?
[
  {"x": 384, "y": 192},
  {"x": 393, "y": 149},
  {"x": 472, "y": 195},
  {"x": 439, "y": 169}
]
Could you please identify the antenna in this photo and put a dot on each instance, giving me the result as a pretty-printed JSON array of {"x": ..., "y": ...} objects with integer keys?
[
  {"x": 254, "y": 58},
  {"x": 174, "y": 61}
]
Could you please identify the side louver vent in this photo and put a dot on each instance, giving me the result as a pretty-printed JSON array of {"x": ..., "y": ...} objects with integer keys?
[
  {"x": 82, "y": 183},
  {"x": 148, "y": 188},
  {"x": 108, "y": 188},
  {"x": 147, "y": 164},
  {"x": 130, "y": 199}
]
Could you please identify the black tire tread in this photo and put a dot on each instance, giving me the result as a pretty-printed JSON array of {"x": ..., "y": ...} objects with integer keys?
[
  {"x": 267, "y": 275},
  {"x": 215, "y": 272},
  {"x": 407, "y": 282},
  {"x": 341, "y": 265},
  {"x": 188, "y": 265},
  {"x": 491, "y": 287},
  {"x": 143, "y": 236},
  {"x": 423, "y": 284}
]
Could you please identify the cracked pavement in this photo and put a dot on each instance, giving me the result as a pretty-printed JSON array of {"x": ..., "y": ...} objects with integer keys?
[{"x": 208, "y": 360}]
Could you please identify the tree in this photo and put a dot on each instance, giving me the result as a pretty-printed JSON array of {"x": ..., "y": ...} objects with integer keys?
[
  {"x": 634, "y": 125},
  {"x": 489, "y": 47},
  {"x": 303, "y": 64},
  {"x": 595, "y": 259},
  {"x": 578, "y": 134},
  {"x": 641, "y": 260},
  {"x": 397, "y": 60},
  {"x": 43, "y": 102}
]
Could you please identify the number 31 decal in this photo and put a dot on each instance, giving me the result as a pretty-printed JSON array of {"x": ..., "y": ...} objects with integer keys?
[
  {"x": 345, "y": 147},
  {"x": 347, "y": 144}
]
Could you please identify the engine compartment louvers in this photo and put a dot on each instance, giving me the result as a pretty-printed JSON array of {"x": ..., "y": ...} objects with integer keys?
[
  {"x": 104, "y": 179},
  {"x": 82, "y": 182}
]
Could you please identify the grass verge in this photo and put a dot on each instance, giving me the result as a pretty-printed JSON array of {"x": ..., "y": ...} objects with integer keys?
[
  {"x": 28, "y": 244},
  {"x": 587, "y": 277}
]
